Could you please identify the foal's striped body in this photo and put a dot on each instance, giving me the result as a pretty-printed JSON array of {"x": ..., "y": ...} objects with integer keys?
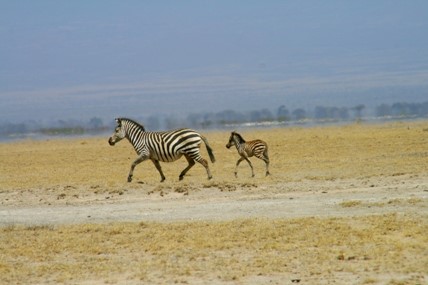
[{"x": 246, "y": 149}]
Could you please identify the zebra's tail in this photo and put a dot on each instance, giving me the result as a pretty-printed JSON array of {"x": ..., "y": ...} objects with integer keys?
[{"x": 209, "y": 149}]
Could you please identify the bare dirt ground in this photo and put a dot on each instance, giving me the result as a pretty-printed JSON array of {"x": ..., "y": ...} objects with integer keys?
[
  {"x": 347, "y": 175},
  {"x": 169, "y": 203}
]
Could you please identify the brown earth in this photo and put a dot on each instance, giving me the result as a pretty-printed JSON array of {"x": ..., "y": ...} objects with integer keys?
[{"x": 344, "y": 205}]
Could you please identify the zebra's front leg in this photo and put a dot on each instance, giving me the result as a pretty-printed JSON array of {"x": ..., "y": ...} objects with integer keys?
[
  {"x": 159, "y": 168},
  {"x": 135, "y": 163}
]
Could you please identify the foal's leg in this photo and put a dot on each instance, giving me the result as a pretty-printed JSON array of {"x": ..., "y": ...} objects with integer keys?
[
  {"x": 252, "y": 169},
  {"x": 237, "y": 164},
  {"x": 266, "y": 160},
  {"x": 239, "y": 161},
  {"x": 264, "y": 156}
]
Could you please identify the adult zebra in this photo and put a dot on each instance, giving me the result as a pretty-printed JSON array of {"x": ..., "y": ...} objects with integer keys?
[
  {"x": 165, "y": 146},
  {"x": 246, "y": 149}
]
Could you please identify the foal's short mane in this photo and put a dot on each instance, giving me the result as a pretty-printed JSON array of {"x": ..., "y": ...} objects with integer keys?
[
  {"x": 133, "y": 122},
  {"x": 240, "y": 138}
]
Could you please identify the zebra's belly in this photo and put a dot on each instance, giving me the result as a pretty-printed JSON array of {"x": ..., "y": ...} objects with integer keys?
[{"x": 166, "y": 157}]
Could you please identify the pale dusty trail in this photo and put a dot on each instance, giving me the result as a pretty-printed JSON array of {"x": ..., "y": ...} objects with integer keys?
[{"x": 214, "y": 205}]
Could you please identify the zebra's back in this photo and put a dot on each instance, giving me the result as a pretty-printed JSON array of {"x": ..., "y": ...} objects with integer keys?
[{"x": 169, "y": 146}]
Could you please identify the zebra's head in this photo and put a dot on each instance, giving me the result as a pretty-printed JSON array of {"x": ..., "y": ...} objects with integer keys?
[
  {"x": 119, "y": 133},
  {"x": 232, "y": 139}
]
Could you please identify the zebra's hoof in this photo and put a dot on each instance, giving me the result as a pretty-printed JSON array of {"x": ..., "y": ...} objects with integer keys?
[
  {"x": 180, "y": 178},
  {"x": 130, "y": 178}
]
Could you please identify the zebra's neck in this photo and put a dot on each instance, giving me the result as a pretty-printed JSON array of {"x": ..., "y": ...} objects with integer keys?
[{"x": 134, "y": 134}]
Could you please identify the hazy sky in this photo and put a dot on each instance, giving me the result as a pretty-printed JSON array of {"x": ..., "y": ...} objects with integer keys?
[{"x": 65, "y": 59}]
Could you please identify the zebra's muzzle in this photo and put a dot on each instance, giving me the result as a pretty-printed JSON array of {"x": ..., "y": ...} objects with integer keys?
[{"x": 111, "y": 142}]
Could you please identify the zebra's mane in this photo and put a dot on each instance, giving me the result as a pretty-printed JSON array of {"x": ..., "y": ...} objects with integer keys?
[
  {"x": 240, "y": 138},
  {"x": 133, "y": 122}
]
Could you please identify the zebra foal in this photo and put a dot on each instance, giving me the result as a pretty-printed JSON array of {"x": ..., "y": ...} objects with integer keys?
[
  {"x": 165, "y": 146},
  {"x": 246, "y": 149}
]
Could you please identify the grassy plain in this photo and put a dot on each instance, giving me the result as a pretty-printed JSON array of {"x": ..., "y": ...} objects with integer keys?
[
  {"x": 318, "y": 153},
  {"x": 388, "y": 248}
]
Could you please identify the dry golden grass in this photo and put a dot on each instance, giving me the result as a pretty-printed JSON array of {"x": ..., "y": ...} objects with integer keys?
[
  {"x": 308, "y": 249},
  {"x": 319, "y": 153},
  {"x": 385, "y": 249},
  {"x": 358, "y": 203}
]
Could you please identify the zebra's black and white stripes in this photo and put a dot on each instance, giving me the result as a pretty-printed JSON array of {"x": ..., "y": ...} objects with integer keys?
[
  {"x": 257, "y": 148},
  {"x": 165, "y": 146}
]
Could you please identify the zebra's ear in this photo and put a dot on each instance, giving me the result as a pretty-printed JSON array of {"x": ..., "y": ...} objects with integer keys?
[{"x": 118, "y": 121}]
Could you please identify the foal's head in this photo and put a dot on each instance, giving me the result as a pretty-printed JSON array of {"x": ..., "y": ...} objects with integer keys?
[{"x": 234, "y": 139}]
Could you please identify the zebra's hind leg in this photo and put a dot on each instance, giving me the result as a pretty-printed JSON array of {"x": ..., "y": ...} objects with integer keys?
[
  {"x": 191, "y": 163},
  {"x": 159, "y": 168},
  {"x": 205, "y": 164}
]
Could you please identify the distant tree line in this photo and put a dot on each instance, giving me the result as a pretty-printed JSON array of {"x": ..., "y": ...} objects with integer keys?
[
  {"x": 402, "y": 110},
  {"x": 59, "y": 127},
  {"x": 223, "y": 119},
  {"x": 282, "y": 114}
]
